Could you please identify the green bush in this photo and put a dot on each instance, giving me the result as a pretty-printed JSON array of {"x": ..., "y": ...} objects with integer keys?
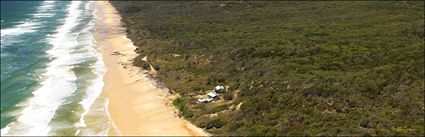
[
  {"x": 219, "y": 108},
  {"x": 187, "y": 113},
  {"x": 228, "y": 96},
  {"x": 141, "y": 63},
  {"x": 180, "y": 103},
  {"x": 216, "y": 123}
]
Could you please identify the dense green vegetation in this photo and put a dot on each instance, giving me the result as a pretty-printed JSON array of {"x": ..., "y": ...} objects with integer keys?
[{"x": 294, "y": 68}]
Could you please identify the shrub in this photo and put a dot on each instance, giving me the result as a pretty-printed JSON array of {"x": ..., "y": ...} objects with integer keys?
[
  {"x": 216, "y": 123},
  {"x": 219, "y": 108},
  {"x": 179, "y": 103},
  {"x": 228, "y": 96},
  {"x": 187, "y": 113},
  {"x": 157, "y": 67},
  {"x": 141, "y": 63}
]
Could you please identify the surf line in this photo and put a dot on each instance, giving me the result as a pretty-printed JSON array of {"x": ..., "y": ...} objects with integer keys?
[{"x": 59, "y": 82}]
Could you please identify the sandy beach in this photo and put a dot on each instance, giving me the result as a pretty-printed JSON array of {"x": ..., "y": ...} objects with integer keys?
[{"x": 136, "y": 105}]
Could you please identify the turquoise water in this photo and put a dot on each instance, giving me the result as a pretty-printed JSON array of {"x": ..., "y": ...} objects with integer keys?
[{"x": 51, "y": 73}]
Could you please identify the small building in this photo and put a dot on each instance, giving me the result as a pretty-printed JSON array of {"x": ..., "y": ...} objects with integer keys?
[
  {"x": 202, "y": 100},
  {"x": 219, "y": 89},
  {"x": 213, "y": 95},
  {"x": 205, "y": 100}
]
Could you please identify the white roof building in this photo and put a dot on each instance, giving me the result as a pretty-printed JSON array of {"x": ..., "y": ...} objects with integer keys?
[
  {"x": 212, "y": 95},
  {"x": 218, "y": 88},
  {"x": 202, "y": 100},
  {"x": 205, "y": 100}
]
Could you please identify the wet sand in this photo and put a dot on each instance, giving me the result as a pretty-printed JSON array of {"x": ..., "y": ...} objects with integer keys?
[{"x": 136, "y": 105}]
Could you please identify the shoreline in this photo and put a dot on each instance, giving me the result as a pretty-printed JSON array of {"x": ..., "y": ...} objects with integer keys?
[{"x": 136, "y": 105}]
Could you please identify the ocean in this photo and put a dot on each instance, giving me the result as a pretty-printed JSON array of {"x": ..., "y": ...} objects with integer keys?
[{"x": 51, "y": 72}]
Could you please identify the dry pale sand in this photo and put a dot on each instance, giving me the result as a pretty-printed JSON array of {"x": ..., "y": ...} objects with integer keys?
[{"x": 136, "y": 105}]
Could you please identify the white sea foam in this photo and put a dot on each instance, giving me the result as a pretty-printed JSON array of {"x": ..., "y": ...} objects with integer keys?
[
  {"x": 46, "y": 6},
  {"x": 25, "y": 27},
  {"x": 59, "y": 82},
  {"x": 29, "y": 25},
  {"x": 42, "y": 15},
  {"x": 95, "y": 88},
  {"x": 68, "y": 50},
  {"x": 96, "y": 85}
]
